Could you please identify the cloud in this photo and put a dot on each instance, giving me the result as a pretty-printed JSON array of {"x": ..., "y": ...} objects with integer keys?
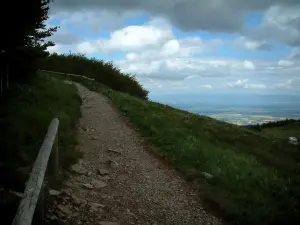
[
  {"x": 187, "y": 15},
  {"x": 92, "y": 20},
  {"x": 136, "y": 37},
  {"x": 154, "y": 36},
  {"x": 295, "y": 54},
  {"x": 248, "y": 44},
  {"x": 257, "y": 86},
  {"x": 164, "y": 57},
  {"x": 131, "y": 38},
  {"x": 86, "y": 48},
  {"x": 280, "y": 24},
  {"x": 64, "y": 36},
  {"x": 244, "y": 84},
  {"x": 54, "y": 49},
  {"x": 189, "y": 77},
  {"x": 249, "y": 65},
  {"x": 286, "y": 63},
  {"x": 60, "y": 48},
  {"x": 174, "y": 68},
  {"x": 238, "y": 83},
  {"x": 208, "y": 86},
  {"x": 293, "y": 82}
]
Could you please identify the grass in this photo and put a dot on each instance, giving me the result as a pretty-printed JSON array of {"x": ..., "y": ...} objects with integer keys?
[
  {"x": 255, "y": 176},
  {"x": 25, "y": 114},
  {"x": 289, "y": 130}
]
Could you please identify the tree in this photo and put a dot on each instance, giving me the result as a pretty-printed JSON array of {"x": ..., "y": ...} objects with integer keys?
[{"x": 23, "y": 37}]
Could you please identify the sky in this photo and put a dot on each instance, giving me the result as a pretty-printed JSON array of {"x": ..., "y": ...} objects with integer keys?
[{"x": 188, "y": 46}]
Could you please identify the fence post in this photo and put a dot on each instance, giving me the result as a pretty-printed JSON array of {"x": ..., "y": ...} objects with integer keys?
[
  {"x": 39, "y": 212},
  {"x": 1, "y": 84},
  {"x": 7, "y": 76},
  {"x": 34, "y": 190},
  {"x": 55, "y": 158}
]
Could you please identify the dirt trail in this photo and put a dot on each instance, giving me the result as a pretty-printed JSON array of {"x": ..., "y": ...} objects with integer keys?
[{"x": 134, "y": 187}]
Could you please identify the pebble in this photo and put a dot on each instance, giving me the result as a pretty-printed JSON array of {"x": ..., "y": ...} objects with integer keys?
[
  {"x": 65, "y": 209},
  {"x": 103, "y": 172},
  {"x": 88, "y": 186},
  {"x": 98, "y": 183},
  {"x": 54, "y": 192}
]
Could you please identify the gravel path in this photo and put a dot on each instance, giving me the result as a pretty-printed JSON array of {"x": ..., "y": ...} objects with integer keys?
[{"x": 118, "y": 181}]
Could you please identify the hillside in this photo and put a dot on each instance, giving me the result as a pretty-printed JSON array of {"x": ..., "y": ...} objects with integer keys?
[
  {"x": 26, "y": 111},
  {"x": 250, "y": 177},
  {"x": 288, "y": 130},
  {"x": 119, "y": 179}
]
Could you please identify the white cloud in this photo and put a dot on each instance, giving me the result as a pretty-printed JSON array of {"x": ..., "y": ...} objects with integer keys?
[
  {"x": 248, "y": 44},
  {"x": 244, "y": 84},
  {"x": 285, "y": 63},
  {"x": 208, "y": 86},
  {"x": 293, "y": 82},
  {"x": 239, "y": 83},
  {"x": 131, "y": 38},
  {"x": 189, "y": 77},
  {"x": 60, "y": 48},
  {"x": 249, "y": 65},
  {"x": 149, "y": 42},
  {"x": 53, "y": 49},
  {"x": 86, "y": 48},
  {"x": 137, "y": 37},
  {"x": 258, "y": 86},
  {"x": 131, "y": 56},
  {"x": 170, "y": 48}
]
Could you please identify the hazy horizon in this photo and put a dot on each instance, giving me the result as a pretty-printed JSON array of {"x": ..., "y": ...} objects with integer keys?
[{"x": 239, "y": 109}]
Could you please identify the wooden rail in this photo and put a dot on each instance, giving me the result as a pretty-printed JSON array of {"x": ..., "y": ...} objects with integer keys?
[
  {"x": 34, "y": 190},
  {"x": 68, "y": 74}
]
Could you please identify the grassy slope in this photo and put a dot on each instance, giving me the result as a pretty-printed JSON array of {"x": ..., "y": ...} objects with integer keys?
[
  {"x": 24, "y": 119},
  {"x": 256, "y": 178},
  {"x": 290, "y": 130}
]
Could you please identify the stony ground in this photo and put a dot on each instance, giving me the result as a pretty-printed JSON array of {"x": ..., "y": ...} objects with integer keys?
[{"x": 118, "y": 181}]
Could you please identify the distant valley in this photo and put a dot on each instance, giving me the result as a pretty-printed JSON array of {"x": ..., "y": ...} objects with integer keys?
[{"x": 238, "y": 109}]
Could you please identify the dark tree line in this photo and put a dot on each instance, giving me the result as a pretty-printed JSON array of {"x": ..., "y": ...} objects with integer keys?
[
  {"x": 259, "y": 127},
  {"x": 104, "y": 72},
  {"x": 22, "y": 39}
]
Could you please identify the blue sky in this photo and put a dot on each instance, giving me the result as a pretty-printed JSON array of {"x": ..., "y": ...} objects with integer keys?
[{"x": 188, "y": 46}]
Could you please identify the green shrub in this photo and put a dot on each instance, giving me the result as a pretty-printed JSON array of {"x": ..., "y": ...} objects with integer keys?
[{"x": 104, "y": 72}]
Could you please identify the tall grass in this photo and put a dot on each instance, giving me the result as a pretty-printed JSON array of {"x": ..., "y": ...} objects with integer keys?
[
  {"x": 104, "y": 72},
  {"x": 25, "y": 113},
  {"x": 255, "y": 178},
  {"x": 24, "y": 118}
]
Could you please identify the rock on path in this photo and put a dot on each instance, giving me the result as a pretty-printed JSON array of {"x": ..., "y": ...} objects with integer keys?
[{"x": 133, "y": 186}]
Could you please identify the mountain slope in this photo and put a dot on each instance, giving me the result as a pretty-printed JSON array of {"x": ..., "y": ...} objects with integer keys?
[{"x": 252, "y": 178}]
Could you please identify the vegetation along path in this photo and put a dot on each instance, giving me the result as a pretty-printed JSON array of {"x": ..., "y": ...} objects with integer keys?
[{"x": 118, "y": 181}]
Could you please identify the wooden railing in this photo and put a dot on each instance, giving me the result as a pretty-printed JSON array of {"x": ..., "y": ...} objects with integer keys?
[
  {"x": 32, "y": 201},
  {"x": 68, "y": 75}
]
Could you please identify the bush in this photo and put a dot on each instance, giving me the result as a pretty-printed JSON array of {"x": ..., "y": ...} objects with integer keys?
[{"x": 104, "y": 72}]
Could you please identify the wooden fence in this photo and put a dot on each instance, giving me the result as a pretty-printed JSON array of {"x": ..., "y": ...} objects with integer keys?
[
  {"x": 68, "y": 75},
  {"x": 32, "y": 201}
]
